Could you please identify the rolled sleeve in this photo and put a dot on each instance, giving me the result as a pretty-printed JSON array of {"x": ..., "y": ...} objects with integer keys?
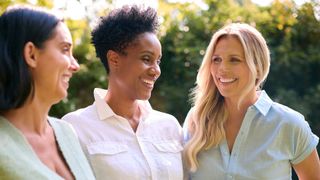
[{"x": 305, "y": 144}]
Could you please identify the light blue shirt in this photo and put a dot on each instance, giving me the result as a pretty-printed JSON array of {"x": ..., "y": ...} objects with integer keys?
[{"x": 271, "y": 138}]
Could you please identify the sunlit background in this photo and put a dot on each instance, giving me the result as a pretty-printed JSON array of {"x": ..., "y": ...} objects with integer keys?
[
  {"x": 292, "y": 31},
  {"x": 76, "y": 9}
]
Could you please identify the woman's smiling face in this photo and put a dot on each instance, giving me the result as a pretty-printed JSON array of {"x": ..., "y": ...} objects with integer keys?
[
  {"x": 55, "y": 65},
  {"x": 229, "y": 69},
  {"x": 139, "y": 68}
]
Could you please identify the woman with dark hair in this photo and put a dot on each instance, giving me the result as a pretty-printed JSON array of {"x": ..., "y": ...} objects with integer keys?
[
  {"x": 36, "y": 64},
  {"x": 122, "y": 136}
]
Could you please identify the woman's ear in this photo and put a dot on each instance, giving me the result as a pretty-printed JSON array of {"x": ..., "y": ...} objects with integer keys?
[
  {"x": 113, "y": 59},
  {"x": 29, "y": 53}
]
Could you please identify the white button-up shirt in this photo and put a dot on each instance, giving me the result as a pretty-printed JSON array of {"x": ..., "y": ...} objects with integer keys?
[{"x": 115, "y": 151}]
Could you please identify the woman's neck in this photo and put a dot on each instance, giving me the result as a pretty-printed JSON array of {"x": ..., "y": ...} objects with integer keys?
[
  {"x": 126, "y": 108},
  {"x": 30, "y": 118},
  {"x": 235, "y": 107},
  {"x": 121, "y": 106}
]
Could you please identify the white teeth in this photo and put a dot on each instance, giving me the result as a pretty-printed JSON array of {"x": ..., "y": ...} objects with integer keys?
[
  {"x": 227, "y": 80},
  {"x": 66, "y": 79},
  {"x": 148, "y": 81}
]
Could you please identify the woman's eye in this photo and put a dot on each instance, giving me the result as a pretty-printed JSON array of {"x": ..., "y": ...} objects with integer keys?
[
  {"x": 146, "y": 59},
  {"x": 159, "y": 62},
  {"x": 216, "y": 59},
  {"x": 66, "y": 49},
  {"x": 235, "y": 60}
]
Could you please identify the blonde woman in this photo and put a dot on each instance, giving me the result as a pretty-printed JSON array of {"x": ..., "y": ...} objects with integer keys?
[{"x": 234, "y": 130}]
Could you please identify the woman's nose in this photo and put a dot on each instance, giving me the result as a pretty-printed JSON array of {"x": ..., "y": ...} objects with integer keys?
[
  {"x": 155, "y": 71},
  {"x": 224, "y": 67},
  {"x": 74, "y": 66}
]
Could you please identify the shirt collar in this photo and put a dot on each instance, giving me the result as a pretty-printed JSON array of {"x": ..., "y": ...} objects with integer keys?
[
  {"x": 263, "y": 103},
  {"x": 105, "y": 111}
]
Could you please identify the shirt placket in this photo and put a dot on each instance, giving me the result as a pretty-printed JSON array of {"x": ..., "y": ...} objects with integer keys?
[
  {"x": 154, "y": 162},
  {"x": 233, "y": 158}
]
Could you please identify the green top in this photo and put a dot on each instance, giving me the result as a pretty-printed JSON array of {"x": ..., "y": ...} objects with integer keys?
[{"x": 19, "y": 161}]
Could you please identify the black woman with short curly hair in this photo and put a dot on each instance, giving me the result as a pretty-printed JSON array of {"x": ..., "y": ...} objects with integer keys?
[{"x": 123, "y": 137}]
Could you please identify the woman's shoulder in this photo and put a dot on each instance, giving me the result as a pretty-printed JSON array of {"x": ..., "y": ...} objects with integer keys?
[
  {"x": 82, "y": 112},
  {"x": 286, "y": 113},
  {"x": 163, "y": 119},
  {"x": 56, "y": 122},
  {"x": 290, "y": 120},
  {"x": 155, "y": 114},
  {"x": 62, "y": 127}
]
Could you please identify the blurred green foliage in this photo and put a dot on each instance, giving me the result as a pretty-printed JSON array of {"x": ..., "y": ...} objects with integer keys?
[{"x": 292, "y": 33}]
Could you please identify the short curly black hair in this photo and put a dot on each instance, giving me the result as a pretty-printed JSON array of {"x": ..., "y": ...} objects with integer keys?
[{"x": 121, "y": 27}]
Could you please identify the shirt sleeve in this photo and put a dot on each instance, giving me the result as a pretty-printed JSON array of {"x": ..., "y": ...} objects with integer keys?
[{"x": 304, "y": 140}]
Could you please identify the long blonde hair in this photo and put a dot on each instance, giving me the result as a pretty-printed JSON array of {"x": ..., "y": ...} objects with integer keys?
[{"x": 209, "y": 113}]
